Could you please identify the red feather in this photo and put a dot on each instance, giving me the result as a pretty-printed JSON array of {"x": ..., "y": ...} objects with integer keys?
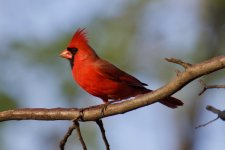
[{"x": 79, "y": 38}]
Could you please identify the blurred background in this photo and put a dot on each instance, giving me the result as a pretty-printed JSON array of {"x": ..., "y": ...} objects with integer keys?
[{"x": 135, "y": 35}]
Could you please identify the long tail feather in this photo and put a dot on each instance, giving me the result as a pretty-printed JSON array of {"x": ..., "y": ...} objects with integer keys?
[{"x": 169, "y": 101}]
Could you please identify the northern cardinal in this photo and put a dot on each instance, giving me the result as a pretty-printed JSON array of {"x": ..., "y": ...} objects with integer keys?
[{"x": 101, "y": 78}]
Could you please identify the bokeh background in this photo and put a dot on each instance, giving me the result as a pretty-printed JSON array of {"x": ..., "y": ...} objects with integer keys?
[{"x": 135, "y": 35}]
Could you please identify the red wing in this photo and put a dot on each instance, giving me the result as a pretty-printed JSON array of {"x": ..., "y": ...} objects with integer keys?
[{"x": 111, "y": 72}]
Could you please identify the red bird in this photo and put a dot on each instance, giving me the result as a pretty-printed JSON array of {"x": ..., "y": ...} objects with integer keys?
[{"x": 101, "y": 78}]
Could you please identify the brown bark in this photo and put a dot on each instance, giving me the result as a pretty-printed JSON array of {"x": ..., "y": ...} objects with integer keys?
[{"x": 191, "y": 72}]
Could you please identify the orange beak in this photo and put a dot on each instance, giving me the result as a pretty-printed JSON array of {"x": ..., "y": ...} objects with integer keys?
[{"x": 66, "y": 54}]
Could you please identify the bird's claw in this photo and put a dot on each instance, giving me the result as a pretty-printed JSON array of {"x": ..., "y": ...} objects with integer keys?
[{"x": 104, "y": 107}]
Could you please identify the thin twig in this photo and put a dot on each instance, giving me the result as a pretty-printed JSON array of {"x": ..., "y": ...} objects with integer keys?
[
  {"x": 66, "y": 136},
  {"x": 221, "y": 115},
  {"x": 101, "y": 126},
  {"x": 205, "y": 124},
  {"x": 206, "y": 87},
  {"x": 203, "y": 85},
  {"x": 213, "y": 109},
  {"x": 179, "y": 62},
  {"x": 76, "y": 123}
]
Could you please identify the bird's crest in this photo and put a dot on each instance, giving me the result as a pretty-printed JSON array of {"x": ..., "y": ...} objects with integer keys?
[{"x": 80, "y": 37}]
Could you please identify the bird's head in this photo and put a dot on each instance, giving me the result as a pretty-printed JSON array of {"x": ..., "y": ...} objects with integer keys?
[
  {"x": 78, "y": 49},
  {"x": 78, "y": 42}
]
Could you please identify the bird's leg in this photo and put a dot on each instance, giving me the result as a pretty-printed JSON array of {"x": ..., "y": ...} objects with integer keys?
[{"x": 105, "y": 105}]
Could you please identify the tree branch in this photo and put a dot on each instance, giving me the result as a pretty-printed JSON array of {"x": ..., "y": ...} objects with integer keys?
[
  {"x": 77, "y": 125},
  {"x": 179, "y": 62},
  {"x": 205, "y": 124},
  {"x": 101, "y": 126},
  {"x": 94, "y": 113},
  {"x": 66, "y": 136},
  {"x": 220, "y": 115},
  {"x": 206, "y": 87}
]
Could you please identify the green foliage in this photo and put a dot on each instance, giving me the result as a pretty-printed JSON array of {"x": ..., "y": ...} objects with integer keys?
[{"x": 6, "y": 102}]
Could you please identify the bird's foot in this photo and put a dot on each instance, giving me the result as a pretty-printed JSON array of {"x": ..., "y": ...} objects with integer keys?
[{"x": 104, "y": 107}]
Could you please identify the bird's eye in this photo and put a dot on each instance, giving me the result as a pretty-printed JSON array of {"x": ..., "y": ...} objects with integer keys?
[{"x": 73, "y": 50}]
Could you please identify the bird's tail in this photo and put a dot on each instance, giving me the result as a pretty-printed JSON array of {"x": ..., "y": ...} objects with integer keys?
[{"x": 171, "y": 102}]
